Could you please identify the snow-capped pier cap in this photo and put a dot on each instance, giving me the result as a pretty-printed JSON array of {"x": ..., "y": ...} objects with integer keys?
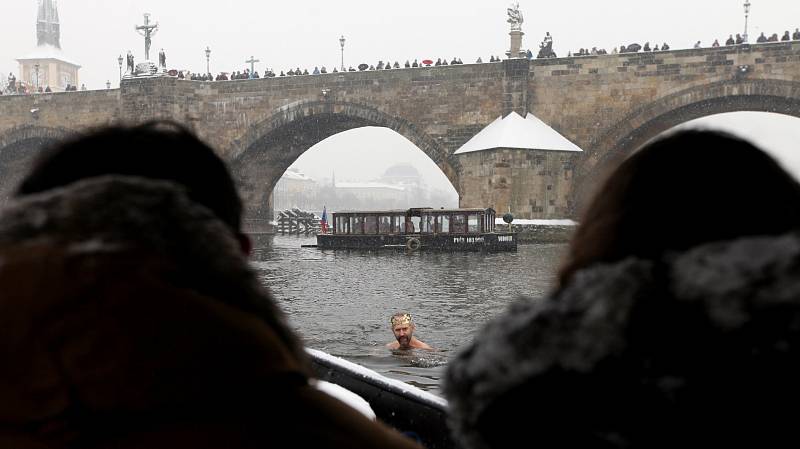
[{"x": 513, "y": 131}]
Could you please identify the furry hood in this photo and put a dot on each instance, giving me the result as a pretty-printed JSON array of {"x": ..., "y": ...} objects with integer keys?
[
  {"x": 651, "y": 335},
  {"x": 111, "y": 214}
]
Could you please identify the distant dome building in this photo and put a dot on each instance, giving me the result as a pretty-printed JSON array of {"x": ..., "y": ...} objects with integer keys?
[
  {"x": 404, "y": 170},
  {"x": 47, "y": 65},
  {"x": 405, "y": 175}
]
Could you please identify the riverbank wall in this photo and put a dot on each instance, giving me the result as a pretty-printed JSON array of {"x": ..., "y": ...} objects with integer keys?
[{"x": 541, "y": 231}]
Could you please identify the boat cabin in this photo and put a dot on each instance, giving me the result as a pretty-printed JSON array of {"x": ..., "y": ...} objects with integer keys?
[
  {"x": 416, "y": 228},
  {"x": 415, "y": 221}
]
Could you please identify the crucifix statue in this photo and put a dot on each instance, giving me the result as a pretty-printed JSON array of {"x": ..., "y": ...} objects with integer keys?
[
  {"x": 147, "y": 30},
  {"x": 252, "y": 61}
]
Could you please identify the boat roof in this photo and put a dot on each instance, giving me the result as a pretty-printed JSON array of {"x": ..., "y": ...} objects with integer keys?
[
  {"x": 416, "y": 209},
  {"x": 513, "y": 131}
]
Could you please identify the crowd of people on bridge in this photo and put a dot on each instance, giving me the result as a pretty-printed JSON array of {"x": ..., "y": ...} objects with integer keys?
[
  {"x": 421, "y": 62},
  {"x": 635, "y": 47},
  {"x": 15, "y": 87},
  {"x": 246, "y": 74},
  {"x": 762, "y": 38}
]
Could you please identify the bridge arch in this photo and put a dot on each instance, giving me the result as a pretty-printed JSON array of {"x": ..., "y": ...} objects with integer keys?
[
  {"x": 664, "y": 113},
  {"x": 19, "y": 146},
  {"x": 268, "y": 148}
]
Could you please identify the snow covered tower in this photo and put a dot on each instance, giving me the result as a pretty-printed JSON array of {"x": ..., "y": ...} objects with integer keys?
[
  {"x": 47, "y": 66},
  {"x": 519, "y": 165},
  {"x": 48, "y": 28}
]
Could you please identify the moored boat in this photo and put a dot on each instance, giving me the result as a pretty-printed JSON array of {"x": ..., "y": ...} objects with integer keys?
[{"x": 470, "y": 229}]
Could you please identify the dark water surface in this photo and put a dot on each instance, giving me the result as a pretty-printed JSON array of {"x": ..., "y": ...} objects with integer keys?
[{"x": 340, "y": 301}]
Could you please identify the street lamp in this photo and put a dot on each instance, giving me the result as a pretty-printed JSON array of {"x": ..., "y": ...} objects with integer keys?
[
  {"x": 36, "y": 68},
  {"x": 746, "y": 13},
  {"x": 119, "y": 61},
  {"x": 208, "y": 59},
  {"x": 341, "y": 43}
]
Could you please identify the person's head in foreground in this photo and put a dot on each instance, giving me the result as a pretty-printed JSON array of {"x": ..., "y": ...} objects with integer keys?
[
  {"x": 403, "y": 328},
  {"x": 131, "y": 317},
  {"x": 159, "y": 150},
  {"x": 677, "y": 320},
  {"x": 680, "y": 191}
]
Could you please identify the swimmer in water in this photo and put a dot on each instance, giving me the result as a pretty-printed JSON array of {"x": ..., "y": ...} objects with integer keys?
[{"x": 403, "y": 328}]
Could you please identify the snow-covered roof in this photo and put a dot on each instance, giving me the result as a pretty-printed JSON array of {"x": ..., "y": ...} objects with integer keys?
[
  {"x": 367, "y": 185},
  {"x": 48, "y": 52},
  {"x": 513, "y": 131},
  {"x": 296, "y": 175}
]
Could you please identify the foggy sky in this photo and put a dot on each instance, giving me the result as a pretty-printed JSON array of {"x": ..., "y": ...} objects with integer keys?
[{"x": 286, "y": 35}]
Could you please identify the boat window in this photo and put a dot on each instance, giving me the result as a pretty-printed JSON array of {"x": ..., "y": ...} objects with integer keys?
[
  {"x": 459, "y": 224},
  {"x": 357, "y": 226},
  {"x": 427, "y": 224},
  {"x": 474, "y": 224},
  {"x": 400, "y": 224},
  {"x": 443, "y": 224},
  {"x": 413, "y": 225},
  {"x": 371, "y": 224},
  {"x": 385, "y": 225}
]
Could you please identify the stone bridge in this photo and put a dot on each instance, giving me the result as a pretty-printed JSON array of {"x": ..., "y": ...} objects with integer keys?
[{"x": 608, "y": 105}]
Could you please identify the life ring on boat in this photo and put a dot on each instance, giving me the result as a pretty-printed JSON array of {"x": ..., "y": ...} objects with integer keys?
[{"x": 413, "y": 244}]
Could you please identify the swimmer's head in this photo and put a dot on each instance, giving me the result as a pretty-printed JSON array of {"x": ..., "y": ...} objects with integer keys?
[
  {"x": 401, "y": 318},
  {"x": 403, "y": 329}
]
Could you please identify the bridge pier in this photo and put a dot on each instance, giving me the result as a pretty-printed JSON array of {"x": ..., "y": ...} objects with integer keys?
[{"x": 531, "y": 184}]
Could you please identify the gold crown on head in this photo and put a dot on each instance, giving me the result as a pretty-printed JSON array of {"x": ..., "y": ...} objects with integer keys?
[{"x": 404, "y": 318}]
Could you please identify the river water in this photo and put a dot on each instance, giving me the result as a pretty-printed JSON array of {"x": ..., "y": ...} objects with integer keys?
[{"x": 340, "y": 301}]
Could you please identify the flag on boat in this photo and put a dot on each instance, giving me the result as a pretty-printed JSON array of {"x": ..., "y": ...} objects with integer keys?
[{"x": 323, "y": 222}]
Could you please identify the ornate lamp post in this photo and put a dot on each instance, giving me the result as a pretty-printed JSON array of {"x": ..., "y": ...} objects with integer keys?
[
  {"x": 341, "y": 44},
  {"x": 119, "y": 61},
  {"x": 208, "y": 59},
  {"x": 36, "y": 69},
  {"x": 746, "y": 14}
]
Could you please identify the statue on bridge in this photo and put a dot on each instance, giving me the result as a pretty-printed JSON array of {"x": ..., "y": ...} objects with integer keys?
[
  {"x": 162, "y": 59},
  {"x": 515, "y": 17},
  {"x": 130, "y": 63},
  {"x": 546, "y": 47},
  {"x": 147, "y": 30}
]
